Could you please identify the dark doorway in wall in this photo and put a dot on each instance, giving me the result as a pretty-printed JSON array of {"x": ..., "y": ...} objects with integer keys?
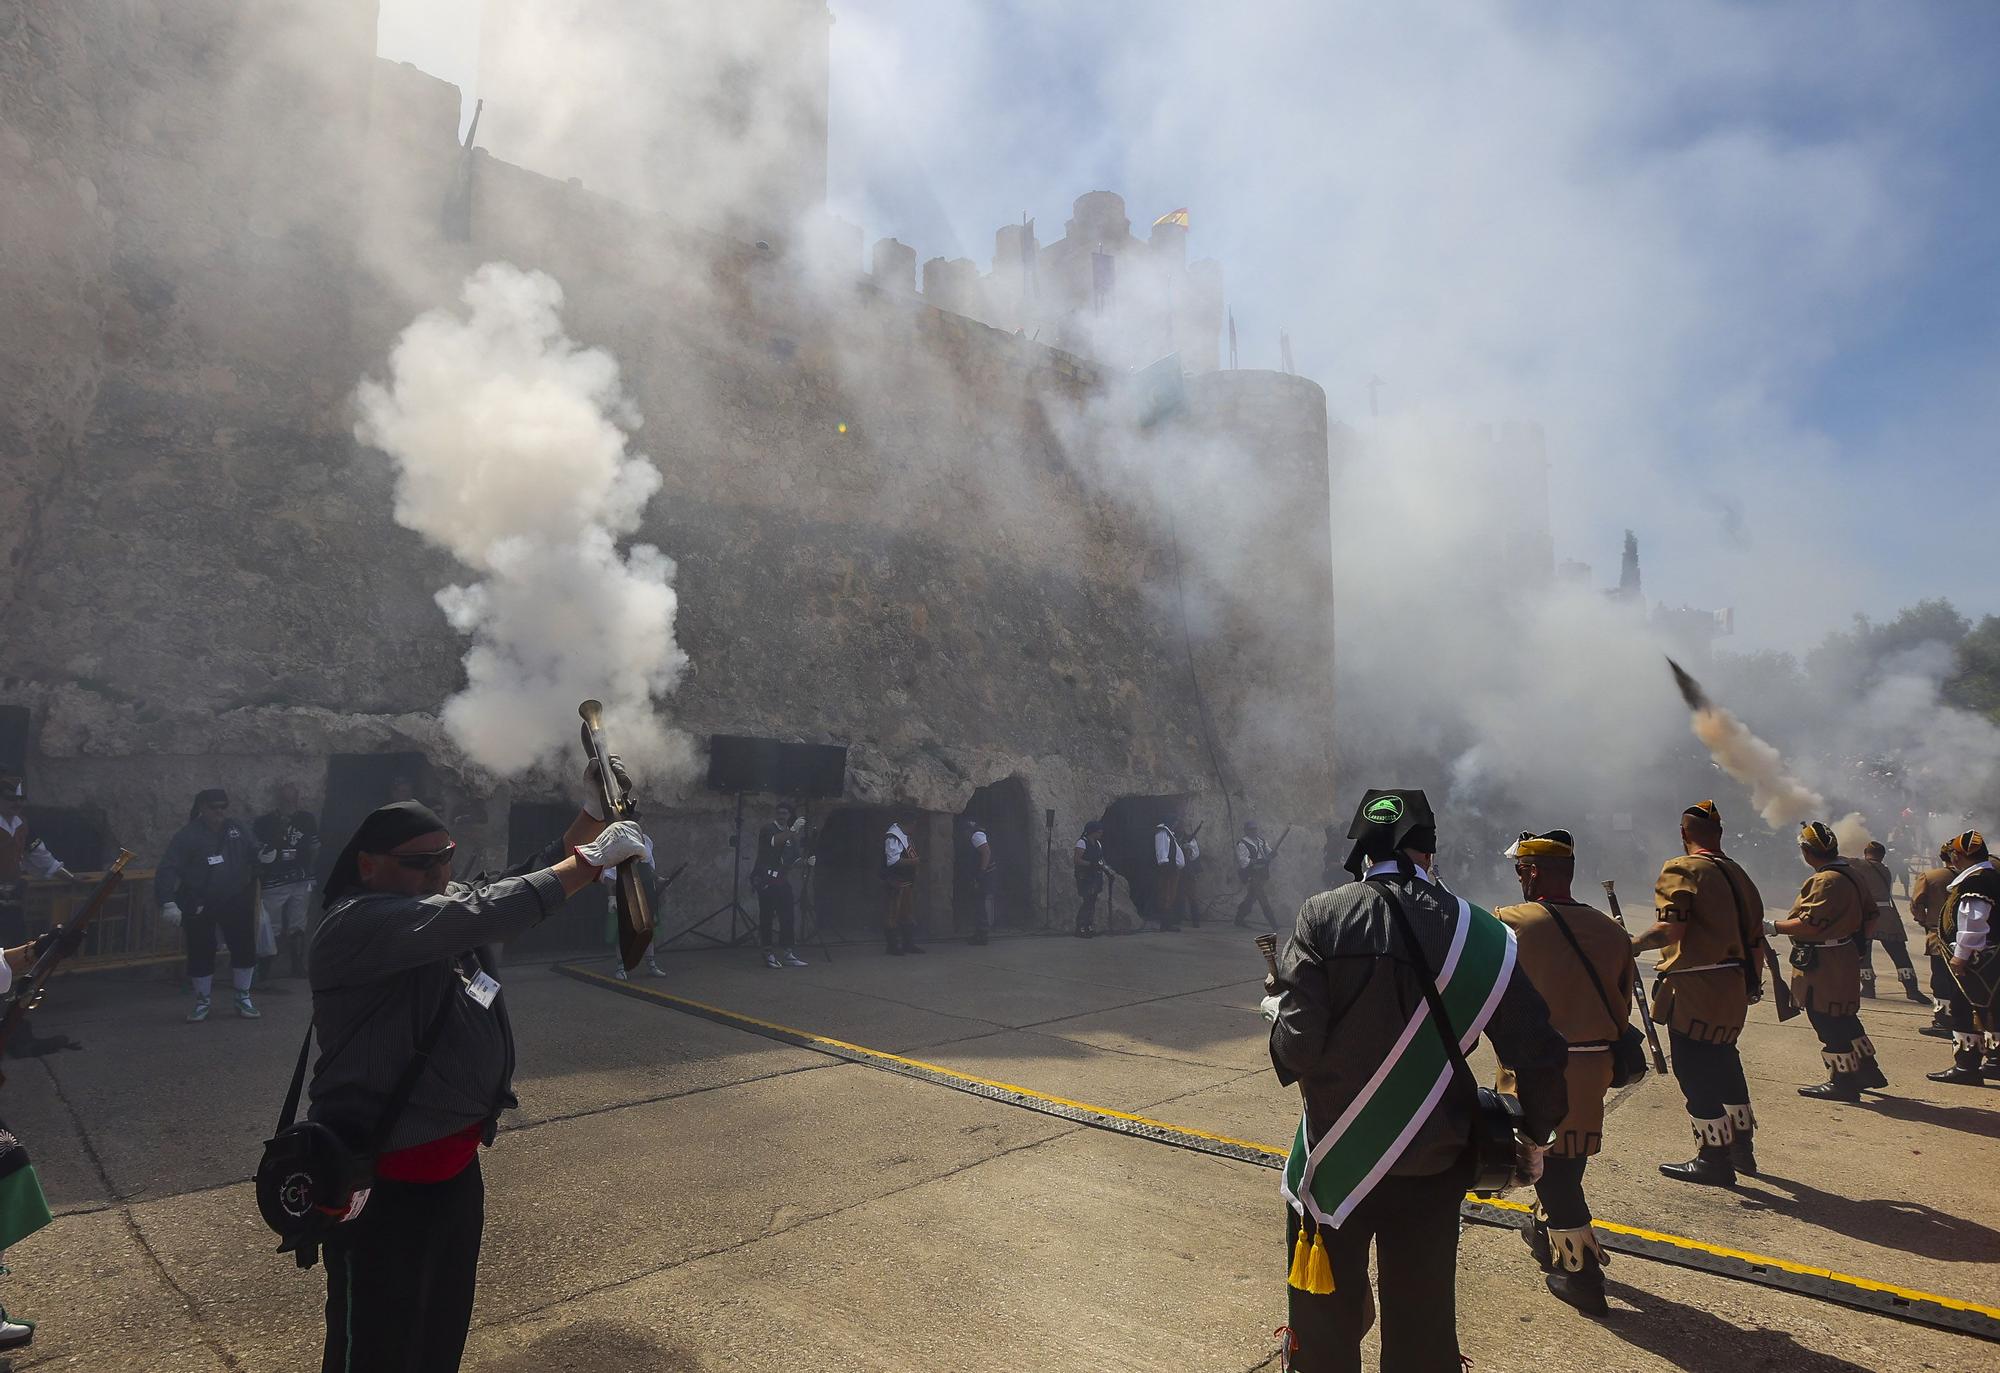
[
  {"x": 847, "y": 879},
  {"x": 1129, "y": 823},
  {"x": 356, "y": 783},
  {"x": 584, "y": 922},
  {"x": 80, "y": 839},
  {"x": 1003, "y": 808}
]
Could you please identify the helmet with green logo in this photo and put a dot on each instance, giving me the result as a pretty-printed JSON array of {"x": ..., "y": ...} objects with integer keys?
[{"x": 1389, "y": 820}]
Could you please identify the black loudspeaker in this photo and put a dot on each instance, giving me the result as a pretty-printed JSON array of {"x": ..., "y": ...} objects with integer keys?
[
  {"x": 738, "y": 762},
  {"x": 13, "y": 738}
]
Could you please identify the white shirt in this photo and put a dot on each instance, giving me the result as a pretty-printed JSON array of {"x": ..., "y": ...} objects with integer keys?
[
  {"x": 37, "y": 858},
  {"x": 1193, "y": 847},
  {"x": 1975, "y": 917},
  {"x": 894, "y": 845},
  {"x": 1250, "y": 850},
  {"x": 1165, "y": 850}
]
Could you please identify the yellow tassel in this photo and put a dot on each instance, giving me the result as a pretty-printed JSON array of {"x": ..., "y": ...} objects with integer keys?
[
  {"x": 1319, "y": 1269},
  {"x": 1301, "y": 1251}
]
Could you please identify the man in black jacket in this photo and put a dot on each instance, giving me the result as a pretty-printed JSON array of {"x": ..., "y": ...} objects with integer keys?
[
  {"x": 1348, "y": 986},
  {"x": 207, "y": 881},
  {"x": 400, "y": 946}
]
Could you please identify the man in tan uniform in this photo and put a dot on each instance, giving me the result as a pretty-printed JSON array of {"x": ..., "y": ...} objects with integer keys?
[
  {"x": 1929, "y": 893},
  {"x": 1833, "y": 914},
  {"x": 1873, "y": 869},
  {"x": 1710, "y": 924},
  {"x": 1580, "y": 960},
  {"x": 1971, "y": 957}
]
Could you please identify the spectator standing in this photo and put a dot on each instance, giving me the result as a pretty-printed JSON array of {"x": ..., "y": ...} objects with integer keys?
[
  {"x": 207, "y": 884},
  {"x": 287, "y": 854}
]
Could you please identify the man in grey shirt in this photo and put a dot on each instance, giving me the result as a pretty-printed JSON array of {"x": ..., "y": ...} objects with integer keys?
[{"x": 399, "y": 950}]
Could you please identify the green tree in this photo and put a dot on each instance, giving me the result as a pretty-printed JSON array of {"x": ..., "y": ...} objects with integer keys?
[{"x": 1976, "y": 684}]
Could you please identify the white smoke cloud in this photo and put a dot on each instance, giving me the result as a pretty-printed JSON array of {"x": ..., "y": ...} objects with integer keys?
[{"x": 511, "y": 443}]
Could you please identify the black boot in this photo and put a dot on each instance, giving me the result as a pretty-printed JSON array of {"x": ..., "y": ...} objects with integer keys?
[
  {"x": 1957, "y": 1075},
  {"x": 1869, "y": 1075},
  {"x": 1908, "y": 977},
  {"x": 295, "y": 952},
  {"x": 910, "y": 944},
  {"x": 1710, "y": 1165},
  {"x": 1742, "y": 1141},
  {"x": 1868, "y": 983},
  {"x": 1840, "y": 1087},
  {"x": 895, "y": 941},
  {"x": 1576, "y": 1278}
]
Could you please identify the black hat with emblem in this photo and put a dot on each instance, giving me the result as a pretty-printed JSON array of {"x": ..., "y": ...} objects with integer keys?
[{"x": 1387, "y": 821}]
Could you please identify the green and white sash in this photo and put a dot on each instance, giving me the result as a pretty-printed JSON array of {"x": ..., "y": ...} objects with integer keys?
[{"x": 1327, "y": 1179}]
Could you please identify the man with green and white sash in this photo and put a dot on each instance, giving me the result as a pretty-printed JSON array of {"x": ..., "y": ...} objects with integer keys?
[{"x": 1384, "y": 1150}]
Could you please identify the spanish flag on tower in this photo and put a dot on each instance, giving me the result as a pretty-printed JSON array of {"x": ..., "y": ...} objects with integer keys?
[{"x": 1172, "y": 217}]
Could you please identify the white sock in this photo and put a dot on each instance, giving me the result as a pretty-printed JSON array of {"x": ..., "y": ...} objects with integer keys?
[
  {"x": 240, "y": 979},
  {"x": 202, "y": 986}
]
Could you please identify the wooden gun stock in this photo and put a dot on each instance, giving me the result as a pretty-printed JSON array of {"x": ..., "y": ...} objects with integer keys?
[
  {"x": 635, "y": 912},
  {"x": 1645, "y": 1011}
]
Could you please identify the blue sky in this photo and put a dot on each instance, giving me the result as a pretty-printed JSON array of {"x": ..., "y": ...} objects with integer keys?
[{"x": 1727, "y": 254}]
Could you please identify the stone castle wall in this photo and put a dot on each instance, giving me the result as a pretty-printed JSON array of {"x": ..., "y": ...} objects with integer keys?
[{"x": 977, "y": 580}]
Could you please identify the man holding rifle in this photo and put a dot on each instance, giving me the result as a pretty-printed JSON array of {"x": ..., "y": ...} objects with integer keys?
[
  {"x": 1711, "y": 928},
  {"x": 1580, "y": 960},
  {"x": 1253, "y": 866},
  {"x": 399, "y": 972}
]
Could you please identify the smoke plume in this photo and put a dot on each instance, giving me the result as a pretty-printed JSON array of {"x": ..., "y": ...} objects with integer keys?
[
  {"x": 510, "y": 440},
  {"x": 1778, "y": 797}
]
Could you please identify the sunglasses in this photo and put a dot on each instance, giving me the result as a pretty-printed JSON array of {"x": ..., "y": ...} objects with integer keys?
[{"x": 425, "y": 862}]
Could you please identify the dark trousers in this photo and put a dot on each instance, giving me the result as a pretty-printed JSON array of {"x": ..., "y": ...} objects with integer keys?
[
  {"x": 1899, "y": 953},
  {"x": 238, "y": 924},
  {"x": 1560, "y": 1190},
  {"x": 1086, "y": 904},
  {"x": 399, "y": 1281},
  {"x": 1413, "y": 1224},
  {"x": 774, "y": 906},
  {"x": 1190, "y": 908},
  {"x": 1945, "y": 987},
  {"x": 1837, "y": 1033},
  {"x": 1710, "y": 1075},
  {"x": 1256, "y": 889},
  {"x": 982, "y": 901}
]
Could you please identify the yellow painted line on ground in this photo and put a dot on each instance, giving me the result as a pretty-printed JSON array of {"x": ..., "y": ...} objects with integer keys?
[
  {"x": 1496, "y": 1203},
  {"x": 938, "y": 1068}
]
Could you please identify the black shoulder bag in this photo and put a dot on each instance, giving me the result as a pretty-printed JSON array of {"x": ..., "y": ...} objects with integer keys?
[
  {"x": 1497, "y": 1116},
  {"x": 1628, "y": 1051},
  {"x": 311, "y": 1181}
]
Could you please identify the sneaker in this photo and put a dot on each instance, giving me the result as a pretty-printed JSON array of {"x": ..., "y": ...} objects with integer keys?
[
  {"x": 792, "y": 960},
  {"x": 245, "y": 1010},
  {"x": 15, "y": 1334},
  {"x": 618, "y": 971},
  {"x": 200, "y": 1011},
  {"x": 771, "y": 961},
  {"x": 654, "y": 969}
]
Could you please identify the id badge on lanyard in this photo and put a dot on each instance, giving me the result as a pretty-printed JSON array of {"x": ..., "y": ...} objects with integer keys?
[{"x": 482, "y": 989}]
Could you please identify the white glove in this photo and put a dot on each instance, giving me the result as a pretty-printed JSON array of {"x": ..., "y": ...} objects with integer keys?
[
  {"x": 1770, "y": 929},
  {"x": 1268, "y": 1008},
  {"x": 267, "y": 856},
  {"x": 618, "y": 843},
  {"x": 171, "y": 913}
]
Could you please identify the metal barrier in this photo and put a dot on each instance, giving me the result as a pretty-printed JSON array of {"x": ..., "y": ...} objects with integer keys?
[{"x": 127, "y": 933}]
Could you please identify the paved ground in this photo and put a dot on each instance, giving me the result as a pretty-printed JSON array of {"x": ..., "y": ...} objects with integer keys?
[{"x": 676, "y": 1195}]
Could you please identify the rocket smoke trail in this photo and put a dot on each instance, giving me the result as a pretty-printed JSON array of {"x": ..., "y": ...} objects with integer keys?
[{"x": 1780, "y": 798}]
